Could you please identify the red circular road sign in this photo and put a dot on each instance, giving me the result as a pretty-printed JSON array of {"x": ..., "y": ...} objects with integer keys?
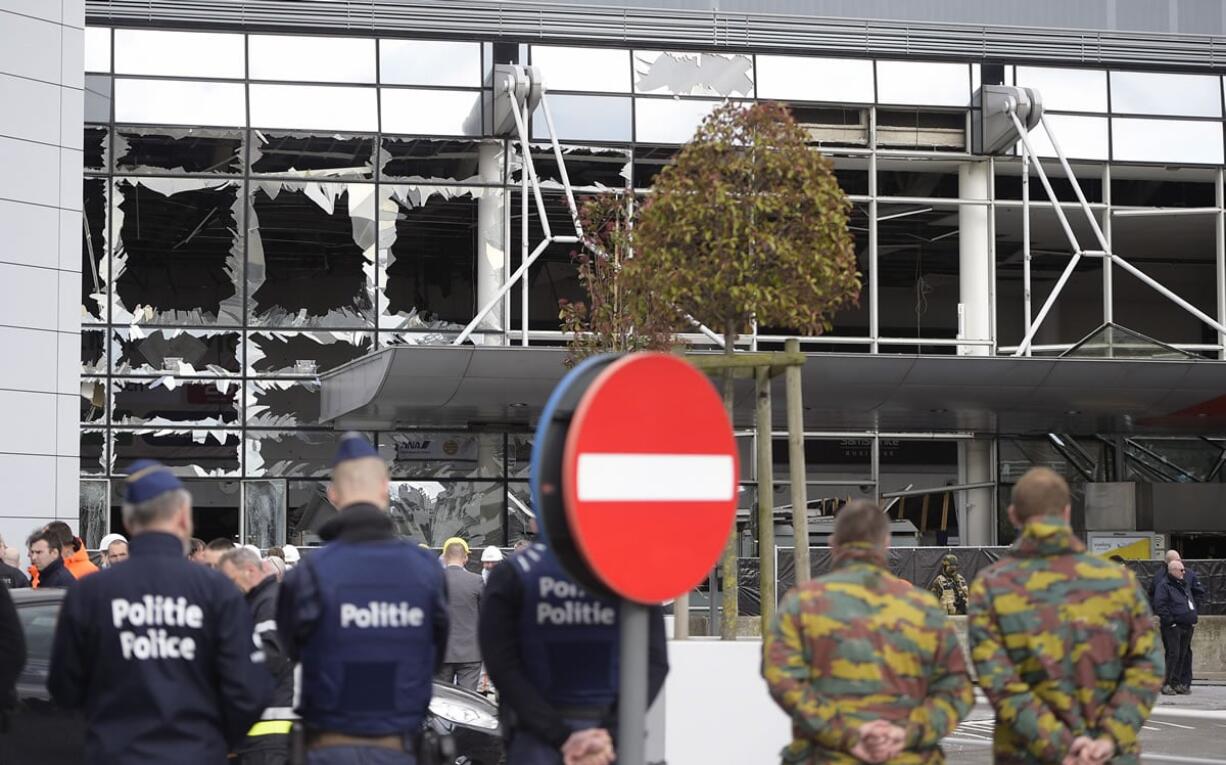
[{"x": 649, "y": 477}]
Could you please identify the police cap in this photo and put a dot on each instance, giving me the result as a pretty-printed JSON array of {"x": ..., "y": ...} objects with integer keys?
[
  {"x": 353, "y": 446},
  {"x": 148, "y": 479}
]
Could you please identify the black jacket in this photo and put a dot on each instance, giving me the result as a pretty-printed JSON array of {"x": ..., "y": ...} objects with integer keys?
[
  {"x": 158, "y": 654},
  {"x": 1172, "y": 601},
  {"x": 56, "y": 575},
  {"x": 262, "y": 600},
  {"x": 12, "y": 648},
  {"x": 12, "y": 578}
]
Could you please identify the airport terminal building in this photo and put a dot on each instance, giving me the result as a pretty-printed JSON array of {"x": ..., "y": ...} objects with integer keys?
[{"x": 231, "y": 227}]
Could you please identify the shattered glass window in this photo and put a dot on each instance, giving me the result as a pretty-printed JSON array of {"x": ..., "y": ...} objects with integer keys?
[
  {"x": 178, "y": 352},
  {"x": 311, "y": 59},
  {"x": 442, "y": 63},
  {"x": 93, "y": 452},
  {"x": 171, "y": 402},
  {"x": 308, "y": 509},
  {"x": 314, "y": 107},
  {"x": 93, "y": 511},
  {"x": 264, "y": 513},
  {"x": 439, "y": 336},
  {"x": 290, "y": 453},
  {"x": 303, "y": 353},
  {"x": 441, "y": 160},
  {"x": 93, "y": 351},
  {"x": 215, "y": 507},
  {"x": 95, "y": 270},
  {"x": 94, "y": 141},
  {"x": 180, "y": 102},
  {"x": 443, "y": 455},
  {"x": 693, "y": 74},
  {"x": 305, "y": 155},
  {"x": 520, "y": 522},
  {"x": 585, "y": 118},
  {"x": 187, "y": 452},
  {"x": 554, "y": 276},
  {"x": 93, "y": 399},
  {"x": 431, "y": 112},
  {"x": 310, "y": 254},
  {"x": 178, "y": 258},
  {"x": 179, "y": 54},
  {"x": 282, "y": 403},
  {"x": 649, "y": 161},
  {"x": 602, "y": 70},
  {"x": 430, "y": 254},
  {"x": 178, "y": 151},
  {"x": 587, "y": 167},
  {"x": 433, "y": 511}
]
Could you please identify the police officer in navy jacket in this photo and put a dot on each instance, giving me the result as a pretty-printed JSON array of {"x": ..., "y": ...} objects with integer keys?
[
  {"x": 367, "y": 618},
  {"x": 158, "y": 651},
  {"x": 551, "y": 649}
]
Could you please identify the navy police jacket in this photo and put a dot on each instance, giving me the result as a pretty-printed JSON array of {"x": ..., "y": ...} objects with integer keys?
[
  {"x": 551, "y": 648},
  {"x": 367, "y": 617},
  {"x": 158, "y": 653}
]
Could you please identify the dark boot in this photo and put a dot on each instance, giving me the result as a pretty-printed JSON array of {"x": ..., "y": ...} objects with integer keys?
[
  {"x": 1183, "y": 690},
  {"x": 1168, "y": 690}
]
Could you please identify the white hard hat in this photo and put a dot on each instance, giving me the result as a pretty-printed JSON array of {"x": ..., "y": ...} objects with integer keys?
[
  {"x": 291, "y": 553},
  {"x": 491, "y": 554},
  {"x": 255, "y": 550},
  {"x": 106, "y": 540}
]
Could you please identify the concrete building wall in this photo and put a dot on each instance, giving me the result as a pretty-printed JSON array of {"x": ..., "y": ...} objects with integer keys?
[{"x": 41, "y": 90}]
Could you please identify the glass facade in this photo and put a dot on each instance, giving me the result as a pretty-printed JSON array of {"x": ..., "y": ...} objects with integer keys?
[{"x": 262, "y": 208}]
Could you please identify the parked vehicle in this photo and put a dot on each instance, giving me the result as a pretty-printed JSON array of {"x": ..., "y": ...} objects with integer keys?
[{"x": 39, "y": 731}]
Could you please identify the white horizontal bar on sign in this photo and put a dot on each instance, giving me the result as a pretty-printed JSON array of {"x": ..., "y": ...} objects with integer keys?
[{"x": 655, "y": 477}]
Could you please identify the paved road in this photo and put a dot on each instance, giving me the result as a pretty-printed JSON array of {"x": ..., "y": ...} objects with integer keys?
[{"x": 1173, "y": 734}]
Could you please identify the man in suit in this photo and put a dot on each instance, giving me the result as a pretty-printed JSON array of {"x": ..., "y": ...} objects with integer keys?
[{"x": 462, "y": 662}]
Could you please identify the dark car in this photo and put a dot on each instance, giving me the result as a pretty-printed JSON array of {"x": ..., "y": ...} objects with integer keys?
[{"x": 38, "y": 731}]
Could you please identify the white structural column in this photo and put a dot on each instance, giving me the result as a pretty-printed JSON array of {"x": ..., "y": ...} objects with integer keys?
[
  {"x": 41, "y": 90},
  {"x": 975, "y": 289},
  {"x": 491, "y": 246},
  {"x": 974, "y": 260}
]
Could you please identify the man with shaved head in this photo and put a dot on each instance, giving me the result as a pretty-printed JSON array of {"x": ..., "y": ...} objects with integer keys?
[
  {"x": 1063, "y": 641},
  {"x": 367, "y": 618}
]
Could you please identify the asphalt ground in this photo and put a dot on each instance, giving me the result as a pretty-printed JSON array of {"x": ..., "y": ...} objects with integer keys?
[{"x": 1178, "y": 731}]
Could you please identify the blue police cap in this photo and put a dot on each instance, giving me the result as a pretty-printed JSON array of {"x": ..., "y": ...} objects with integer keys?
[
  {"x": 353, "y": 446},
  {"x": 148, "y": 479}
]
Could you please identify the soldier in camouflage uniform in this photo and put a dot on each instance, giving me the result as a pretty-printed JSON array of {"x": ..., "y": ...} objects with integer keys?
[
  {"x": 950, "y": 586},
  {"x": 867, "y": 665},
  {"x": 1062, "y": 641}
]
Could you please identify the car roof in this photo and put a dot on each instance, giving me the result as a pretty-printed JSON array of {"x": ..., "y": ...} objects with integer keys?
[{"x": 28, "y": 595}]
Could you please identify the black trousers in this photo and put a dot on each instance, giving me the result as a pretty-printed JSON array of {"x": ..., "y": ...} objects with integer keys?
[
  {"x": 1177, "y": 638},
  {"x": 264, "y": 750}
]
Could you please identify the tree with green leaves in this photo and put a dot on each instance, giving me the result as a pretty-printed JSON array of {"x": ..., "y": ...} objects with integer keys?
[{"x": 747, "y": 223}]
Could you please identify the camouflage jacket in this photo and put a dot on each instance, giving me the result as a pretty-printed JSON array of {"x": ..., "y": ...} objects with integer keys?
[
  {"x": 859, "y": 645},
  {"x": 1064, "y": 647},
  {"x": 951, "y": 592}
]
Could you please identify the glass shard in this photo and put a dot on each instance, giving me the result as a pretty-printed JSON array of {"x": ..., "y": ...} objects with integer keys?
[
  {"x": 282, "y": 403},
  {"x": 170, "y": 402},
  {"x": 311, "y": 156},
  {"x": 178, "y": 352},
  {"x": 303, "y": 353},
  {"x": 186, "y": 452},
  {"x": 433, "y": 511},
  {"x": 264, "y": 513},
  {"x": 176, "y": 151}
]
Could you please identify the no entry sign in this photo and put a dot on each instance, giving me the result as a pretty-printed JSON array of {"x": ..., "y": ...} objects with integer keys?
[{"x": 647, "y": 479}]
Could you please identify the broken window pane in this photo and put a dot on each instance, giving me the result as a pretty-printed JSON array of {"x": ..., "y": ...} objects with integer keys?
[
  {"x": 180, "y": 102},
  {"x": 282, "y": 403},
  {"x": 431, "y": 112},
  {"x": 272, "y": 354},
  {"x": 290, "y": 453},
  {"x": 264, "y": 513},
  {"x": 432, "y": 511},
  {"x": 97, "y": 98},
  {"x": 430, "y": 62},
  {"x": 171, "y": 402},
  {"x": 215, "y": 508},
  {"x": 93, "y": 399},
  {"x": 602, "y": 70},
  {"x": 312, "y": 59},
  {"x": 520, "y": 523},
  {"x": 591, "y": 167},
  {"x": 554, "y": 276},
  {"x": 665, "y": 120},
  {"x": 95, "y": 143},
  {"x": 314, "y": 107},
  {"x": 94, "y": 511},
  {"x": 181, "y": 352},
  {"x": 648, "y": 162},
  {"x": 93, "y": 452},
  {"x": 179, "y": 54},
  {"x": 178, "y": 258},
  {"x": 93, "y": 351},
  {"x": 441, "y": 160},
  {"x": 186, "y": 452},
  {"x": 584, "y": 118},
  {"x": 95, "y": 269},
  {"x": 429, "y": 337},
  {"x": 693, "y": 74},
  {"x": 304, "y": 155},
  {"x": 430, "y": 255},
  {"x": 176, "y": 151},
  {"x": 519, "y": 455},
  {"x": 310, "y": 254},
  {"x": 443, "y": 455},
  {"x": 308, "y": 510}
]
